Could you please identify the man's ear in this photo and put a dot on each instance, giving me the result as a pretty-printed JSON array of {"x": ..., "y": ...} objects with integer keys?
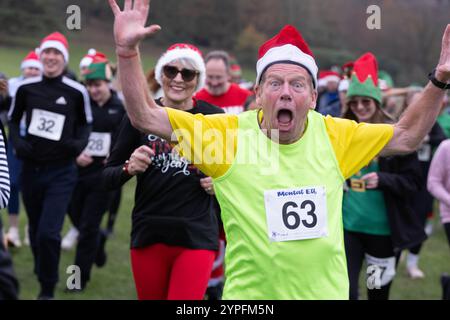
[
  {"x": 313, "y": 99},
  {"x": 258, "y": 93}
]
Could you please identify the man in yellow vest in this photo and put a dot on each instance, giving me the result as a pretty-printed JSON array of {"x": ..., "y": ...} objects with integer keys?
[{"x": 278, "y": 171}]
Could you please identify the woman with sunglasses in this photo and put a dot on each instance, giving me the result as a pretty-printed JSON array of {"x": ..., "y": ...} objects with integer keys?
[
  {"x": 174, "y": 232},
  {"x": 378, "y": 218}
]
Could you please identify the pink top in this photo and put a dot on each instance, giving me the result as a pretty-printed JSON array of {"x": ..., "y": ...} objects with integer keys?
[{"x": 439, "y": 179}]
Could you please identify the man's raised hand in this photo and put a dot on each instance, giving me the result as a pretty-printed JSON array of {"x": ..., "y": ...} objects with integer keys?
[
  {"x": 443, "y": 67},
  {"x": 129, "y": 25}
]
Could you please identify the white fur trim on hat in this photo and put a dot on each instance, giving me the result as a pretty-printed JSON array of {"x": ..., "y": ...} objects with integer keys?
[
  {"x": 175, "y": 54},
  {"x": 287, "y": 52},
  {"x": 31, "y": 63},
  {"x": 87, "y": 59},
  {"x": 56, "y": 45},
  {"x": 86, "y": 62},
  {"x": 321, "y": 83},
  {"x": 343, "y": 85},
  {"x": 331, "y": 78}
]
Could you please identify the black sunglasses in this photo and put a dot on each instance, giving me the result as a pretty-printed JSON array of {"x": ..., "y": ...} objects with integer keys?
[{"x": 187, "y": 75}]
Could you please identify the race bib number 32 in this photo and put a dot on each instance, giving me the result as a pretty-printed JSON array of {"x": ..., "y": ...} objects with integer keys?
[
  {"x": 46, "y": 124},
  {"x": 296, "y": 214}
]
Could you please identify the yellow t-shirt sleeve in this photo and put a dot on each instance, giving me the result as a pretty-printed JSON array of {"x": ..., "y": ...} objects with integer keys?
[
  {"x": 207, "y": 141},
  {"x": 355, "y": 144}
]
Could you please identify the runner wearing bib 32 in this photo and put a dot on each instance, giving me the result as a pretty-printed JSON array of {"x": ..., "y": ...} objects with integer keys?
[{"x": 58, "y": 117}]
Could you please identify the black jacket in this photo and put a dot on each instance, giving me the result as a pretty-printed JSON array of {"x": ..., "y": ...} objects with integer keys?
[
  {"x": 58, "y": 96},
  {"x": 170, "y": 205},
  {"x": 400, "y": 177},
  {"x": 423, "y": 200}
]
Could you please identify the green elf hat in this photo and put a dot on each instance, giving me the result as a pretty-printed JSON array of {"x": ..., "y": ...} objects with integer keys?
[
  {"x": 364, "y": 80},
  {"x": 98, "y": 70}
]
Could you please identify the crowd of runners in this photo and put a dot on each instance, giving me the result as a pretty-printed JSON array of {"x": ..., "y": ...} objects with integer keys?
[{"x": 293, "y": 186}]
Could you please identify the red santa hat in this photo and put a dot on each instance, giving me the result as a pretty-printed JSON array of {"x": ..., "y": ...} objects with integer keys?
[
  {"x": 348, "y": 66},
  {"x": 327, "y": 75},
  {"x": 31, "y": 61},
  {"x": 287, "y": 46},
  {"x": 90, "y": 57},
  {"x": 56, "y": 41},
  {"x": 179, "y": 51}
]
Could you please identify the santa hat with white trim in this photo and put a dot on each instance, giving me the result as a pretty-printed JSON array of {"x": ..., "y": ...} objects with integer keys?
[
  {"x": 287, "y": 46},
  {"x": 90, "y": 57},
  {"x": 31, "y": 61},
  {"x": 328, "y": 75},
  {"x": 56, "y": 41},
  {"x": 179, "y": 51}
]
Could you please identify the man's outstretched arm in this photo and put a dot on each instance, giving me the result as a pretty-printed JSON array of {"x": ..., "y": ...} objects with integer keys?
[
  {"x": 422, "y": 113},
  {"x": 129, "y": 31}
]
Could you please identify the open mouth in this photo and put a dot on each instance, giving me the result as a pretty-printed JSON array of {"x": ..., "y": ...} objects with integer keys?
[{"x": 284, "y": 116}]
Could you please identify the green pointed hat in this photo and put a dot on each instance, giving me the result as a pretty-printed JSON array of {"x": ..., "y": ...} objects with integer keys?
[
  {"x": 98, "y": 70},
  {"x": 364, "y": 81}
]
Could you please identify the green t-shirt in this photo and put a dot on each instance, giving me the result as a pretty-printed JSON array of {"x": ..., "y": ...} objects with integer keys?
[
  {"x": 364, "y": 210},
  {"x": 444, "y": 122}
]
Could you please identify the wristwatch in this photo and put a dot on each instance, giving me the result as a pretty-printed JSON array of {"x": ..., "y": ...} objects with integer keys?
[{"x": 436, "y": 82}]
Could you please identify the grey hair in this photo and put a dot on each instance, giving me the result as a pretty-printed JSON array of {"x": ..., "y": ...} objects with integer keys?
[{"x": 219, "y": 55}]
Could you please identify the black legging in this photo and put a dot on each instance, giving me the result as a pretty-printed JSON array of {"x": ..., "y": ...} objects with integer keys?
[
  {"x": 356, "y": 245},
  {"x": 114, "y": 204}
]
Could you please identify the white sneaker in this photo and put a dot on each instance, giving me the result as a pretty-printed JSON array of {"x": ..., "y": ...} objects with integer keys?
[
  {"x": 415, "y": 273},
  {"x": 13, "y": 237},
  {"x": 26, "y": 238},
  {"x": 70, "y": 239}
]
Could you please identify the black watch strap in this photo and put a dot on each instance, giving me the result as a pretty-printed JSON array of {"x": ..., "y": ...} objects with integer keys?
[{"x": 436, "y": 82}]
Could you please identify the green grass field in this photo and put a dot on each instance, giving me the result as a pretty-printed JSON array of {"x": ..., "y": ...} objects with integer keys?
[
  {"x": 115, "y": 280},
  {"x": 10, "y": 58}
]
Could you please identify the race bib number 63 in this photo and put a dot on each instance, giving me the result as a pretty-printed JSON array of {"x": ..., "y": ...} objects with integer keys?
[{"x": 296, "y": 214}]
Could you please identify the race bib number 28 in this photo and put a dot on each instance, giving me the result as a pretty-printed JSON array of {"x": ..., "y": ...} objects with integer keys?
[
  {"x": 99, "y": 144},
  {"x": 296, "y": 214},
  {"x": 46, "y": 124}
]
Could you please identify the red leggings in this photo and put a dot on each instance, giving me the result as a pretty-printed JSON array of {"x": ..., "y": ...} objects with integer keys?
[{"x": 163, "y": 272}]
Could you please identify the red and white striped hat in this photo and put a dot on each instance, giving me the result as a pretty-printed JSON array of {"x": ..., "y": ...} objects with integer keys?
[
  {"x": 56, "y": 41},
  {"x": 287, "y": 46},
  {"x": 179, "y": 51},
  {"x": 31, "y": 61},
  {"x": 90, "y": 57}
]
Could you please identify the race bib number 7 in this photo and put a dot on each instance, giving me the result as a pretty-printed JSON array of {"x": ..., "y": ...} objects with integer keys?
[
  {"x": 296, "y": 214},
  {"x": 46, "y": 124}
]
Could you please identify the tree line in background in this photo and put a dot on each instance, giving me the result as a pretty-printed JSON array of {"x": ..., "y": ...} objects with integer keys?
[{"x": 407, "y": 44}]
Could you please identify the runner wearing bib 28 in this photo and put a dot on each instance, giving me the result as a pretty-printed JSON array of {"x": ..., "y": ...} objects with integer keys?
[{"x": 90, "y": 198}]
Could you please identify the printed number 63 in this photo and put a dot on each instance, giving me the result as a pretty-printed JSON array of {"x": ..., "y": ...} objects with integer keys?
[{"x": 296, "y": 216}]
